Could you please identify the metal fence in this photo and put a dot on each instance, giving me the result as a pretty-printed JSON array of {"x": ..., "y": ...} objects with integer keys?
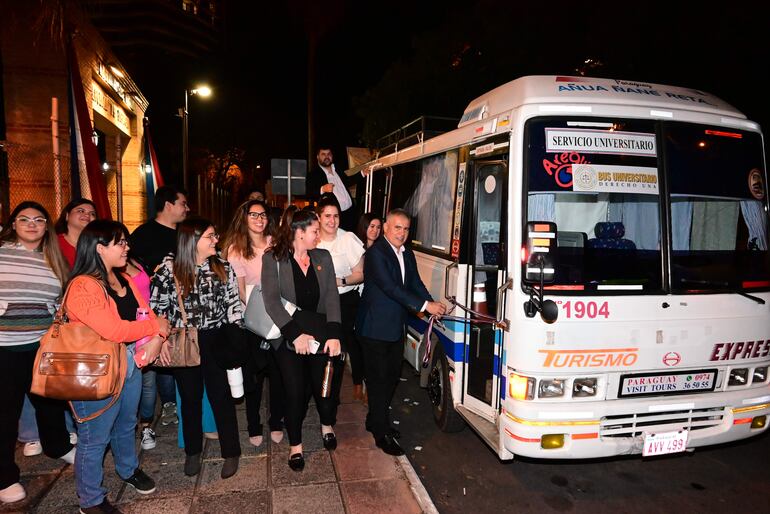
[{"x": 31, "y": 175}]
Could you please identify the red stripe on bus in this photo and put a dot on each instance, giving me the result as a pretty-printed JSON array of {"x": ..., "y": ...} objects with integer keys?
[{"x": 756, "y": 283}]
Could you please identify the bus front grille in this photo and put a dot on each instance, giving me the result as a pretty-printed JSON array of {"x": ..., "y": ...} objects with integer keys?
[{"x": 633, "y": 425}]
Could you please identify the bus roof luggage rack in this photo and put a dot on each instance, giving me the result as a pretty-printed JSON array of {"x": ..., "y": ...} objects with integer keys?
[{"x": 415, "y": 132}]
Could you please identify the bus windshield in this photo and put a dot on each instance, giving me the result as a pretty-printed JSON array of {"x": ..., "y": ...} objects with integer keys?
[
  {"x": 718, "y": 215},
  {"x": 600, "y": 182}
]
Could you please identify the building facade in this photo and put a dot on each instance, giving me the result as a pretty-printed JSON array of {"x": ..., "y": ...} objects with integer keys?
[{"x": 36, "y": 103}]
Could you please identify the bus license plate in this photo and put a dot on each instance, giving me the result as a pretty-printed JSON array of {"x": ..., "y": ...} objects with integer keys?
[
  {"x": 664, "y": 443},
  {"x": 667, "y": 383}
]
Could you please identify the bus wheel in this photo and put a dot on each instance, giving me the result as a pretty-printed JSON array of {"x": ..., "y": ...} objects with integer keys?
[{"x": 440, "y": 393}]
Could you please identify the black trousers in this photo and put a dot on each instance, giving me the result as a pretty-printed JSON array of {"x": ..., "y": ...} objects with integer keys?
[
  {"x": 382, "y": 362},
  {"x": 259, "y": 365},
  {"x": 350, "y": 344},
  {"x": 16, "y": 373},
  {"x": 300, "y": 372},
  {"x": 190, "y": 382}
]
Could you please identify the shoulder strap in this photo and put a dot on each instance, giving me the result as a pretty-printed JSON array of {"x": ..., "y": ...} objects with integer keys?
[{"x": 181, "y": 302}]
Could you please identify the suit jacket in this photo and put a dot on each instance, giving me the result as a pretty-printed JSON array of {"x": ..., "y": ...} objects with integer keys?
[
  {"x": 275, "y": 288},
  {"x": 387, "y": 299},
  {"x": 316, "y": 178}
]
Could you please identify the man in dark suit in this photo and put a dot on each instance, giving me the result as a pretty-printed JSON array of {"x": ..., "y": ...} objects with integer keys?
[
  {"x": 323, "y": 178},
  {"x": 392, "y": 289}
]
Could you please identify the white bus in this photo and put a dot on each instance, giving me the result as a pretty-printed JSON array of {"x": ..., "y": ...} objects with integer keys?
[{"x": 619, "y": 231}]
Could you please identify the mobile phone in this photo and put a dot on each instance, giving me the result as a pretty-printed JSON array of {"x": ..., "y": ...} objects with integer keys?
[{"x": 313, "y": 346}]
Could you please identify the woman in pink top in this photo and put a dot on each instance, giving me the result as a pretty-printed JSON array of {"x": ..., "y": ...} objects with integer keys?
[
  {"x": 72, "y": 220},
  {"x": 249, "y": 235}
]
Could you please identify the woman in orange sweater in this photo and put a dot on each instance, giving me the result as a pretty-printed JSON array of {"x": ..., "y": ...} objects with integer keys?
[{"x": 106, "y": 300}]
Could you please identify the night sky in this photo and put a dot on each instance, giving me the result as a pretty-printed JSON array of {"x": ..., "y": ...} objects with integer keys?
[{"x": 381, "y": 64}]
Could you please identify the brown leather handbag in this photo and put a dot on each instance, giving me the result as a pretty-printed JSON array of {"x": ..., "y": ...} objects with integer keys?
[
  {"x": 75, "y": 363},
  {"x": 183, "y": 341}
]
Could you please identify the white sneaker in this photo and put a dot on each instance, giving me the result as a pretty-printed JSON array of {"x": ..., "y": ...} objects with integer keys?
[
  {"x": 13, "y": 493},
  {"x": 73, "y": 438},
  {"x": 32, "y": 448},
  {"x": 148, "y": 438},
  {"x": 69, "y": 457}
]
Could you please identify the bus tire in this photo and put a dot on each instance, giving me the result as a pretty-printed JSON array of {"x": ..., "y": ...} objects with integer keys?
[{"x": 440, "y": 393}]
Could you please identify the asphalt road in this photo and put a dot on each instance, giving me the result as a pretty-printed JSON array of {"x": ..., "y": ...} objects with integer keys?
[{"x": 463, "y": 475}]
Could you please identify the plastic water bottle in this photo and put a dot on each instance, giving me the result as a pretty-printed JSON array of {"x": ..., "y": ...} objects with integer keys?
[{"x": 140, "y": 356}]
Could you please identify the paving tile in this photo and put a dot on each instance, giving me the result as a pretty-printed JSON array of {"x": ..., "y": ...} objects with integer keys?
[
  {"x": 379, "y": 496},
  {"x": 170, "y": 481},
  {"x": 63, "y": 493},
  {"x": 346, "y": 394},
  {"x": 212, "y": 448},
  {"x": 176, "y": 505},
  {"x": 352, "y": 464},
  {"x": 166, "y": 450},
  {"x": 35, "y": 485},
  {"x": 351, "y": 413},
  {"x": 251, "y": 503},
  {"x": 251, "y": 476},
  {"x": 38, "y": 464},
  {"x": 318, "y": 469},
  {"x": 353, "y": 435},
  {"x": 316, "y": 498}
]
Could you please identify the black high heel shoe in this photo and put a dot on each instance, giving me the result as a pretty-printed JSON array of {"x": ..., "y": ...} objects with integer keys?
[
  {"x": 297, "y": 462},
  {"x": 330, "y": 441}
]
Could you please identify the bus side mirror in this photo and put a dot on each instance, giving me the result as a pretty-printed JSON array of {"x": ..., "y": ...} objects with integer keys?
[{"x": 539, "y": 268}]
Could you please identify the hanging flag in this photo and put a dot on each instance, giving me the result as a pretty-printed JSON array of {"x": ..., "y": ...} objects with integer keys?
[
  {"x": 152, "y": 175},
  {"x": 85, "y": 158}
]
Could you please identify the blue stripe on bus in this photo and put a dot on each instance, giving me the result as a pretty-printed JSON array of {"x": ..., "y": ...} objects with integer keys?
[{"x": 454, "y": 350}]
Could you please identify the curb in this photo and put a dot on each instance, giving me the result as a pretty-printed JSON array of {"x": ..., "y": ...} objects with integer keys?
[{"x": 418, "y": 490}]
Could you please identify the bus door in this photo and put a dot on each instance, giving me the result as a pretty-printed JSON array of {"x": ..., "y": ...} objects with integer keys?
[{"x": 487, "y": 273}]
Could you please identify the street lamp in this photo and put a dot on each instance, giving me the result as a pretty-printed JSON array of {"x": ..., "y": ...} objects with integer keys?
[{"x": 204, "y": 92}]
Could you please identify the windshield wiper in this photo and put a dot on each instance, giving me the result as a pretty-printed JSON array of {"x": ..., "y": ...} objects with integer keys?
[{"x": 722, "y": 285}]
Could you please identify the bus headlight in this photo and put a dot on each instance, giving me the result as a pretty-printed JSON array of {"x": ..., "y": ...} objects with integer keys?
[
  {"x": 521, "y": 387},
  {"x": 552, "y": 388},
  {"x": 738, "y": 377},
  {"x": 584, "y": 387},
  {"x": 759, "y": 376}
]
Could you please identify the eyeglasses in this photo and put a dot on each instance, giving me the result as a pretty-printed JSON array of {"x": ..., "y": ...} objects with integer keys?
[
  {"x": 39, "y": 220},
  {"x": 257, "y": 215},
  {"x": 212, "y": 236},
  {"x": 123, "y": 243}
]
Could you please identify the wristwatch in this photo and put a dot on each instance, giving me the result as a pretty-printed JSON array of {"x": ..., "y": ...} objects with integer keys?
[{"x": 344, "y": 283}]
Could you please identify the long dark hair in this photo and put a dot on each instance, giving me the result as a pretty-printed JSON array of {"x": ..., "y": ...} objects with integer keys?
[
  {"x": 188, "y": 233},
  {"x": 61, "y": 223},
  {"x": 238, "y": 238},
  {"x": 87, "y": 260},
  {"x": 292, "y": 221},
  {"x": 49, "y": 246},
  {"x": 363, "y": 225}
]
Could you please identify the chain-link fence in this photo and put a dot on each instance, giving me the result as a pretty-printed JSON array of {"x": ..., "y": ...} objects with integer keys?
[{"x": 32, "y": 175}]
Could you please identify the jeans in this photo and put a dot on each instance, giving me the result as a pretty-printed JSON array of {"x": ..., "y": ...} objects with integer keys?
[
  {"x": 115, "y": 427},
  {"x": 28, "y": 424},
  {"x": 155, "y": 382}
]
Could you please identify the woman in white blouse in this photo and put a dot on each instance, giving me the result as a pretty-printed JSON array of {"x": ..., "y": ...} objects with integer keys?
[{"x": 347, "y": 253}]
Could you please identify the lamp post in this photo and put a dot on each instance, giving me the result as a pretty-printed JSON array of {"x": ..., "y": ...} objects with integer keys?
[{"x": 204, "y": 92}]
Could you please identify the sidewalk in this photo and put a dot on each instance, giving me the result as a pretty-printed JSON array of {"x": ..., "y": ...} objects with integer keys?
[{"x": 355, "y": 478}]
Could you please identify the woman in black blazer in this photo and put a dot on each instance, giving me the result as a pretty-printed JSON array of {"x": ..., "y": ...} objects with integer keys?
[{"x": 304, "y": 276}]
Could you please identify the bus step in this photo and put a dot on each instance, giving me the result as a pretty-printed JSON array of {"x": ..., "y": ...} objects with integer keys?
[{"x": 485, "y": 428}]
